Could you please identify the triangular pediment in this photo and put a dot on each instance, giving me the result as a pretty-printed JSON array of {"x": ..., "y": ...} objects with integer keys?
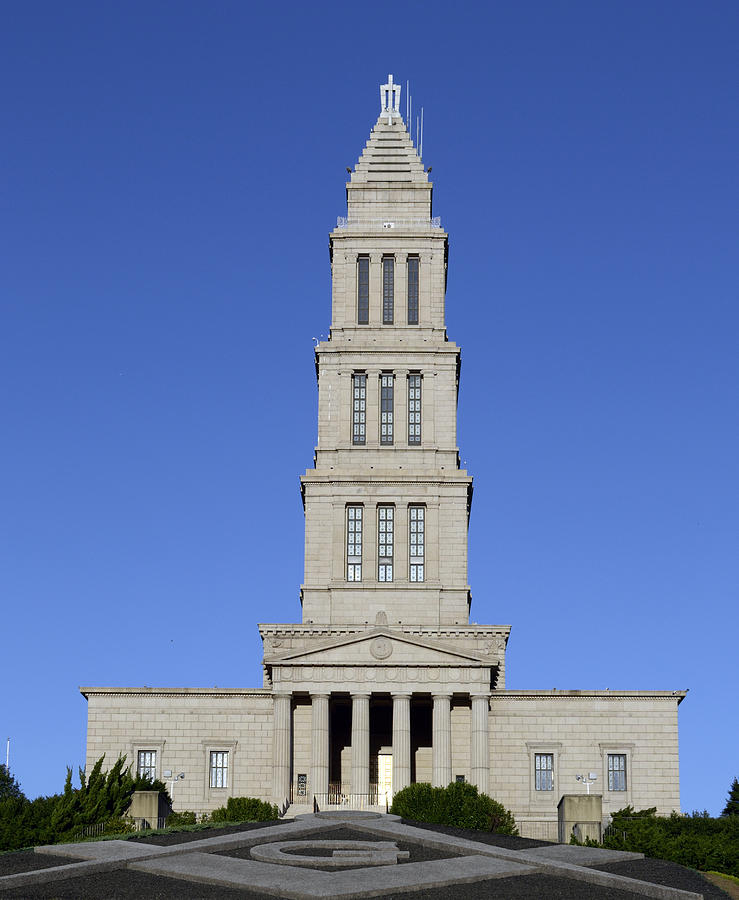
[{"x": 379, "y": 646}]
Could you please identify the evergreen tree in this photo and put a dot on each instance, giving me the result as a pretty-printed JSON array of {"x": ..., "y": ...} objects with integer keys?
[
  {"x": 9, "y": 787},
  {"x": 732, "y": 804}
]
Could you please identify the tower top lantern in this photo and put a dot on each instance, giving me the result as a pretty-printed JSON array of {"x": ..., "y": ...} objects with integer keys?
[{"x": 390, "y": 100}]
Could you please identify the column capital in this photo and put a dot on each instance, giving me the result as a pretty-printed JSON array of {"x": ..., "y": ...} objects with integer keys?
[
  {"x": 282, "y": 695},
  {"x": 480, "y": 695},
  {"x": 400, "y": 695},
  {"x": 319, "y": 695},
  {"x": 360, "y": 695},
  {"x": 442, "y": 695}
]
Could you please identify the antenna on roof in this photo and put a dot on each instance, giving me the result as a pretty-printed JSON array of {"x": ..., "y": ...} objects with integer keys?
[
  {"x": 407, "y": 101},
  {"x": 420, "y": 152},
  {"x": 417, "y": 133}
]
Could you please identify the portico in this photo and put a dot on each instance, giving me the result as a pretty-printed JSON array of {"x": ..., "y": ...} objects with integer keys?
[{"x": 377, "y": 710}]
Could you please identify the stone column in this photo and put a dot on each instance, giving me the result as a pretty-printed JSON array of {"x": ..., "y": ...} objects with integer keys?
[
  {"x": 401, "y": 741},
  {"x": 479, "y": 746},
  {"x": 281, "y": 753},
  {"x": 319, "y": 745},
  {"x": 360, "y": 743},
  {"x": 441, "y": 748}
]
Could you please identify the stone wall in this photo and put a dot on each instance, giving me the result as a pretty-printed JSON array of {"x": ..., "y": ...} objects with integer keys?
[
  {"x": 580, "y": 729},
  {"x": 183, "y": 726}
]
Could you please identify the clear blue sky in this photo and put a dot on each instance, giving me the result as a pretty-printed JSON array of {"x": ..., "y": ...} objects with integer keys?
[{"x": 170, "y": 173}]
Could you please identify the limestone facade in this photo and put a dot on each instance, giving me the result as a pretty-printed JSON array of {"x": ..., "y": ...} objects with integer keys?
[{"x": 385, "y": 681}]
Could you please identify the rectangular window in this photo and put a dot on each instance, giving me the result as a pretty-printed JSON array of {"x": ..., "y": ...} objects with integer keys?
[
  {"x": 616, "y": 771},
  {"x": 354, "y": 543},
  {"x": 414, "y": 409},
  {"x": 359, "y": 408},
  {"x": 363, "y": 290},
  {"x": 544, "y": 771},
  {"x": 387, "y": 390},
  {"x": 416, "y": 541},
  {"x": 413, "y": 263},
  {"x": 147, "y": 764},
  {"x": 219, "y": 768},
  {"x": 385, "y": 542},
  {"x": 388, "y": 289}
]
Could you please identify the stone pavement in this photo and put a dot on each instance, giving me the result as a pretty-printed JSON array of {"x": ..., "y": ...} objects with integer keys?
[{"x": 300, "y": 860}]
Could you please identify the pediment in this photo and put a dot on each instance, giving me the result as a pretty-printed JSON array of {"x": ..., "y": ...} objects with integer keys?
[{"x": 377, "y": 647}]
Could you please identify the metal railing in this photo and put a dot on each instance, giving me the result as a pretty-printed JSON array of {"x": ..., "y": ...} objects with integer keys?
[
  {"x": 114, "y": 827},
  {"x": 340, "y": 800},
  {"x": 387, "y": 224}
]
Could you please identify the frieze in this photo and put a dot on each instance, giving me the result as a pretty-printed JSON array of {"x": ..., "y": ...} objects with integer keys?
[{"x": 381, "y": 674}]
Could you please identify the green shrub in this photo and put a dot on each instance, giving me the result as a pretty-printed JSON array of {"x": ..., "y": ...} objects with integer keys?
[
  {"x": 245, "y": 809},
  {"x": 459, "y": 804},
  {"x": 120, "y": 825},
  {"x": 697, "y": 840},
  {"x": 176, "y": 819}
]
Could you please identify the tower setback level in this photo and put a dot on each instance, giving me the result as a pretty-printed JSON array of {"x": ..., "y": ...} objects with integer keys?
[{"x": 384, "y": 681}]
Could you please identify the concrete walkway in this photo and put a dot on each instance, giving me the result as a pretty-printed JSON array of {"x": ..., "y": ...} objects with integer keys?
[{"x": 328, "y": 874}]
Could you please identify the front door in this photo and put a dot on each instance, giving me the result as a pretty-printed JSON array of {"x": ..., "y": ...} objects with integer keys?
[{"x": 384, "y": 777}]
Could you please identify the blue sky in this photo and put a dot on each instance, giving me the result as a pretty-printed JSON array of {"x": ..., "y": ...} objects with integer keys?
[{"x": 170, "y": 173}]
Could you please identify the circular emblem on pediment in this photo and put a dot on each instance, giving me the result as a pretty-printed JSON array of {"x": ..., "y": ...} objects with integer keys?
[{"x": 381, "y": 648}]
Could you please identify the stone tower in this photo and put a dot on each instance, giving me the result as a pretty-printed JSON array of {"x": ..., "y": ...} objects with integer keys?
[
  {"x": 385, "y": 638},
  {"x": 384, "y": 681}
]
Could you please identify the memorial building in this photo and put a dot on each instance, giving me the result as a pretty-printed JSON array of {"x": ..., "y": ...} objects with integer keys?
[{"x": 384, "y": 681}]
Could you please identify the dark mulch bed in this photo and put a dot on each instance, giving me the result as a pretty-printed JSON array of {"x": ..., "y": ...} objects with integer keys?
[
  {"x": 526, "y": 887},
  {"x": 28, "y": 861},
  {"x": 671, "y": 874},
  {"x": 126, "y": 885},
  {"x": 418, "y": 853},
  {"x": 184, "y": 837},
  {"x": 483, "y": 837}
]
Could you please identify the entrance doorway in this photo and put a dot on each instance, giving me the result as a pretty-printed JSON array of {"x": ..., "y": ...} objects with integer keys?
[{"x": 384, "y": 776}]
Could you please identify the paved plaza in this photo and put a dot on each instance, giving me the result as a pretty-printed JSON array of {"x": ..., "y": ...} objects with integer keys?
[{"x": 343, "y": 855}]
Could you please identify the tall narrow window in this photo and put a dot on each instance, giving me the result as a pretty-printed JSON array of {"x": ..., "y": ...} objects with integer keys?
[
  {"x": 219, "y": 768},
  {"x": 359, "y": 408},
  {"x": 363, "y": 290},
  {"x": 147, "y": 763},
  {"x": 385, "y": 542},
  {"x": 387, "y": 390},
  {"x": 417, "y": 542},
  {"x": 616, "y": 771},
  {"x": 388, "y": 289},
  {"x": 414, "y": 409},
  {"x": 544, "y": 771},
  {"x": 413, "y": 290},
  {"x": 354, "y": 543}
]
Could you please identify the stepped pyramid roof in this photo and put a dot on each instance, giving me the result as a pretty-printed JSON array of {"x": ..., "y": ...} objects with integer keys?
[{"x": 389, "y": 155}]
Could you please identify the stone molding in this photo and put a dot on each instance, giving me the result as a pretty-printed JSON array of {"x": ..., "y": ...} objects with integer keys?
[{"x": 635, "y": 696}]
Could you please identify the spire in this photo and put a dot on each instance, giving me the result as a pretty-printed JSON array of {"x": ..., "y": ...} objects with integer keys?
[
  {"x": 389, "y": 180},
  {"x": 389, "y": 154}
]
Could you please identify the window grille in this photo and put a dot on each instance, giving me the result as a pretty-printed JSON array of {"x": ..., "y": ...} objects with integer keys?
[
  {"x": 413, "y": 263},
  {"x": 387, "y": 391},
  {"x": 147, "y": 763},
  {"x": 363, "y": 290},
  {"x": 544, "y": 771},
  {"x": 359, "y": 408},
  {"x": 388, "y": 289},
  {"x": 219, "y": 768},
  {"x": 416, "y": 542},
  {"x": 414, "y": 409},
  {"x": 354, "y": 543},
  {"x": 385, "y": 542},
  {"x": 616, "y": 771}
]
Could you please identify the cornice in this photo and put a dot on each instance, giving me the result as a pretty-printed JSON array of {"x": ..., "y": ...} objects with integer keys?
[
  {"x": 555, "y": 694},
  {"x": 87, "y": 692}
]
